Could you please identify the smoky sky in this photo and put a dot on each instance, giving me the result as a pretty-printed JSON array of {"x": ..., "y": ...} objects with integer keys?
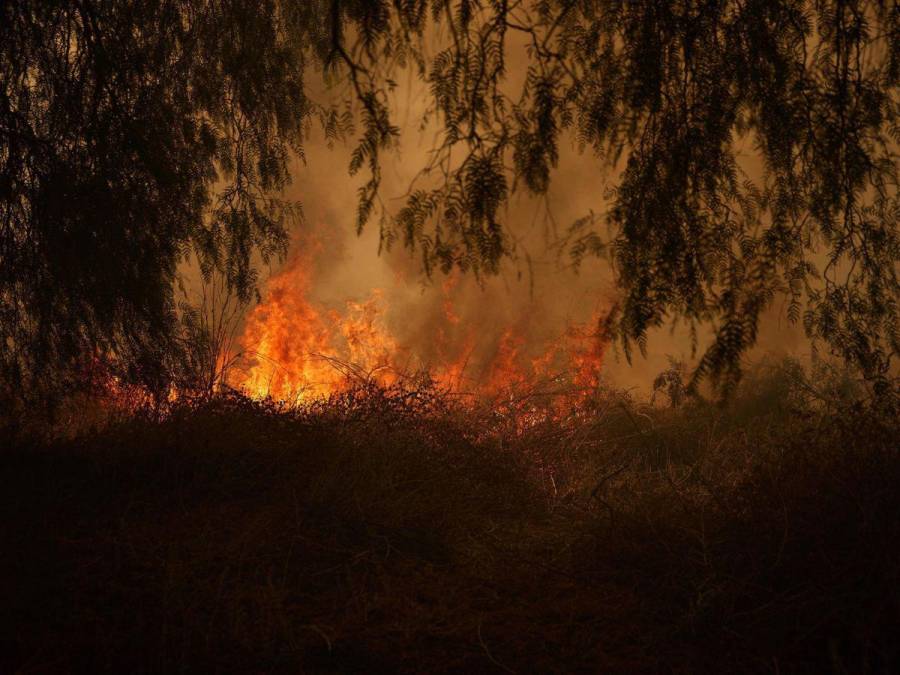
[{"x": 537, "y": 294}]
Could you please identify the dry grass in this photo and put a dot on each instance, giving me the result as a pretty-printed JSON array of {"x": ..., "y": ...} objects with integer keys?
[{"x": 401, "y": 531}]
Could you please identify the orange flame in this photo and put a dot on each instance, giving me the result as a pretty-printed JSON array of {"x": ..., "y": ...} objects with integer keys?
[{"x": 299, "y": 351}]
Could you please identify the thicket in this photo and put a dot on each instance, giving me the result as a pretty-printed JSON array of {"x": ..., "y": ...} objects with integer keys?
[{"x": 403, "y": 530}]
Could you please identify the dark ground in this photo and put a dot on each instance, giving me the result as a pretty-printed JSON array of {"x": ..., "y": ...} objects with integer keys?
[{"x": 397, "y": 532}]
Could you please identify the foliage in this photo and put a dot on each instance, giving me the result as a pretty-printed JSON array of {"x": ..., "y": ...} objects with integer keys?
[
  {"x": 132, "y": 135},
  {"x": 755, "y": 144}
]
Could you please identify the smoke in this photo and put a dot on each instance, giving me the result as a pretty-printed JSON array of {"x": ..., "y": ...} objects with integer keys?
[{"x": 459, "y": 321}]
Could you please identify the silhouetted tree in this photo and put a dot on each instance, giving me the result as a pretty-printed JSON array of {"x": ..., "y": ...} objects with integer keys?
[
  {"x": 756, "y": 142},
  {"x": 132, "y": 133}
]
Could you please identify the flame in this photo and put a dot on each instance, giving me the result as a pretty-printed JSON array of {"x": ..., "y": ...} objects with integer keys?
[
  {"x": 505, "y": 371},
  {"x": 289, "y": 340},
  {"x": 454, "y": 354},
  {"x": 299, "y": 351},
  {"x": 587, "y": 353}
]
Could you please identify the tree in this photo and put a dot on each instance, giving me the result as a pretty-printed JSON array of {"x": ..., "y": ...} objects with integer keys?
[
  {"x": 669, "y": 91},
  {"x": 134, "y": 133}
]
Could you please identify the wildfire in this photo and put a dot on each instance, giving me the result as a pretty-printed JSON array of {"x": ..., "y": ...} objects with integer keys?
[{"x": 300, "y": 351}]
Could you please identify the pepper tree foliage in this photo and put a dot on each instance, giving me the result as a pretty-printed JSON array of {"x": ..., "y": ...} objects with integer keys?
[
  {"x": 133, "y": 135},
  {"x": 754, "y": 144}
]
